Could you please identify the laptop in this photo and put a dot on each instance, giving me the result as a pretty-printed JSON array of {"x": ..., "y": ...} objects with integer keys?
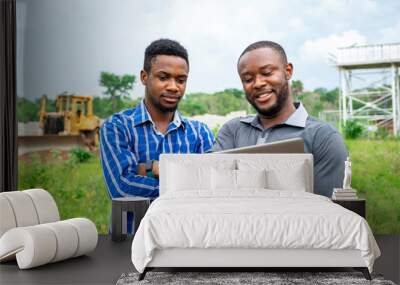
[{"x": 295, "y": 145}]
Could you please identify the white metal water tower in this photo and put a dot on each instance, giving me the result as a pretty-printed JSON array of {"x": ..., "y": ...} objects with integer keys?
[{"x": 377, "y": 102}]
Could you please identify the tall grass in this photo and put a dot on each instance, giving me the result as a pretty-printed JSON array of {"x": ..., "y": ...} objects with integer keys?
[
  {"x": 79, "y": 190},
  {"x": 376, "y": 176},
  {"x": 77, "y": 187}
]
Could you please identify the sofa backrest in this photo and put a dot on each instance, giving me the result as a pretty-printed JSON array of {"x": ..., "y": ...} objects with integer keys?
[
  {"x": 26, "y": 208},
  {"x": 198, "y": 171}
]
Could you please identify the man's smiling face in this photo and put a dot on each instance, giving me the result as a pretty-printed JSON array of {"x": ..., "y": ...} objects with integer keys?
[{"x": 265, "y": 78}]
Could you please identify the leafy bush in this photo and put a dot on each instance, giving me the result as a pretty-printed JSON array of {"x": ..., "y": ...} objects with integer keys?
[
  {"x": 352, "y": 129},
  {"x": 80, "y": 155},
  {"x": 26, "y": 110}
]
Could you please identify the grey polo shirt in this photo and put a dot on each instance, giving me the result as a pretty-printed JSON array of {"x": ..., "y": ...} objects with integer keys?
[{"x": 320, "y": 139}]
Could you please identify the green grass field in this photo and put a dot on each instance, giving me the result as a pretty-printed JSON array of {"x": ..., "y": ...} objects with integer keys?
[
  {"x": 79, "y": 190},
  {"x": 376, "y": 176}
]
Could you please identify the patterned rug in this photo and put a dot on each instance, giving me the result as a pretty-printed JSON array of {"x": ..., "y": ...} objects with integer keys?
[{"x": 229, "y": 278}]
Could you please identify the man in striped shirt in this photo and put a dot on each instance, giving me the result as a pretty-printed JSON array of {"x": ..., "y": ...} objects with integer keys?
[{"x": 132, "y": 140}]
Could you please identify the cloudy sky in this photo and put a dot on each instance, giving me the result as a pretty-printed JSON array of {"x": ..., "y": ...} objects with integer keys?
[{"x": 63, "y": 45}]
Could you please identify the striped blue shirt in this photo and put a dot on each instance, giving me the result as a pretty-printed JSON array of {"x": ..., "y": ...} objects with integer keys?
[{"x": 130, "y": 137}]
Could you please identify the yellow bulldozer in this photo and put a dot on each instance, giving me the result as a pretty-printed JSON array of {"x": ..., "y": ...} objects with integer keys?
[{"x": 73, "y": 117}]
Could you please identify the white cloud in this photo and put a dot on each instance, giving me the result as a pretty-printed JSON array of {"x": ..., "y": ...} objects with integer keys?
[
  {"x": 312, "y": 65},
  {"x": 113, "y": 35},
  {"x": 391, "y": 34},
  {"x": 371, "y": 6},
  {"x": 296, "y": 24},
  {"x": 215, "y": 33},
  {"x": 319, "y": 49},
  {"x": 336, "y": 10}
]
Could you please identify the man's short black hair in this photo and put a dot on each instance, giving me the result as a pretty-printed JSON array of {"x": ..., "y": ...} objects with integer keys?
[
  {"x": 266, "y": 44},
  {"x": 163, "y": 47}
]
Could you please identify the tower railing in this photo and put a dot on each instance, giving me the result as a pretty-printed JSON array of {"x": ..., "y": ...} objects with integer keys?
[
  {"x": 377, "y": 104},
  {"x": 383, "y": 53}
]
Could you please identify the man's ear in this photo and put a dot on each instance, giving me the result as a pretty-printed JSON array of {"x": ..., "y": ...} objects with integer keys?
[
  {"x": 143, "y": 76},
  {"x": 289, "y": 71}
]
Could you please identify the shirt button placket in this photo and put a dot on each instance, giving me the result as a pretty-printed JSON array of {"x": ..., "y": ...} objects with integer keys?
[{"x": 263, "y": 136}]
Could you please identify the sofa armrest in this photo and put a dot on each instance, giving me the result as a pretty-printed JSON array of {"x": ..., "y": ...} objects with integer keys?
[{"x": 40, "y": 244}]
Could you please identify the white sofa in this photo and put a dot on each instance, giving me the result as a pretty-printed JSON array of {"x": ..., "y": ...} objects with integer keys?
[{"x": 31, "y": 231}]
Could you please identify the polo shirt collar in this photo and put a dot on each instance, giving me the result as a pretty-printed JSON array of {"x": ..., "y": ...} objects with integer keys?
[
  {"x": 297, "y": 119},
  {"x": 253, "y": 121}
]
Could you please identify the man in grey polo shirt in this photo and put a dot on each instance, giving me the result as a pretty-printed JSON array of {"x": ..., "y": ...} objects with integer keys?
[{"x": 265, "y": 74}]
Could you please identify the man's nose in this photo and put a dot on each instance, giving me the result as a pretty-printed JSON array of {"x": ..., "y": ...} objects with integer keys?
[
  {"x": 172, "y": 86},
  {"x": 258, "y": 82}
]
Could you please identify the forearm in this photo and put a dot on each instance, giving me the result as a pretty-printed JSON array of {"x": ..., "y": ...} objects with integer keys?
[
  {"x": 131, "y": 185},
  {"x": 120, "y": 165}
]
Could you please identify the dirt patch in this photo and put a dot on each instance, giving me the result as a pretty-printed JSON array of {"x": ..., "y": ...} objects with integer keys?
[
  {"x": 49, "y": 156},
  {"x": 45, "y": 156}
]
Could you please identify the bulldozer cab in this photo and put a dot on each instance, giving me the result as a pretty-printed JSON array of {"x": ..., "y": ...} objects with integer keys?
[
  {"x": 76, "y": 109},
  {"x": 73, "y": 116}
]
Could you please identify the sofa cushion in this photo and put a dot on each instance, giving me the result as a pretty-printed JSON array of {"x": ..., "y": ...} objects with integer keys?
[
  {"x": 45, "y": 206},
  {"x": 27, "y": 208},
  {"x": 23, "y": 208},
  {"x": 40, "y": 244},
  {"x": 7, "y": 215},
  {"x": 31, "y": 233}
]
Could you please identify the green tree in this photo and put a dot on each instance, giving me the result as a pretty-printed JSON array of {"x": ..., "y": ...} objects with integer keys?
[
  {"x": 297, "y": 87},
  {"x": 116, "y": 86},
  {"x": 238, "y": 94},
  {"x": 332, "y": 96},
  {"x": 27, "y": 111},
  {"x": 326, "y": 95},
  {"x": 103, "y": 107},
  {"x": 218, "y": 103},
  {"x": 190, "y": 107}
]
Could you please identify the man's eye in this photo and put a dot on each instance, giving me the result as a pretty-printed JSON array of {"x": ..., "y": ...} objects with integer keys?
[
  {"x": 181, "y": 80},
  {"x": 247, "y": 79},
  {"x": 267, "y": 73},
  {"x": 163, "y": 77}
]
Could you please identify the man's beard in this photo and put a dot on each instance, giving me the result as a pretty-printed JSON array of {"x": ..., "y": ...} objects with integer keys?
[
  {"x": 161, "y": 108},
  {"x": 274, "y": 110}
]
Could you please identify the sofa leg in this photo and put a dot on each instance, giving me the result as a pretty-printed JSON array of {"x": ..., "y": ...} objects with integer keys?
[
  {"x": 364, "y": 271},
  {"x": 143, "y": 274}
]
